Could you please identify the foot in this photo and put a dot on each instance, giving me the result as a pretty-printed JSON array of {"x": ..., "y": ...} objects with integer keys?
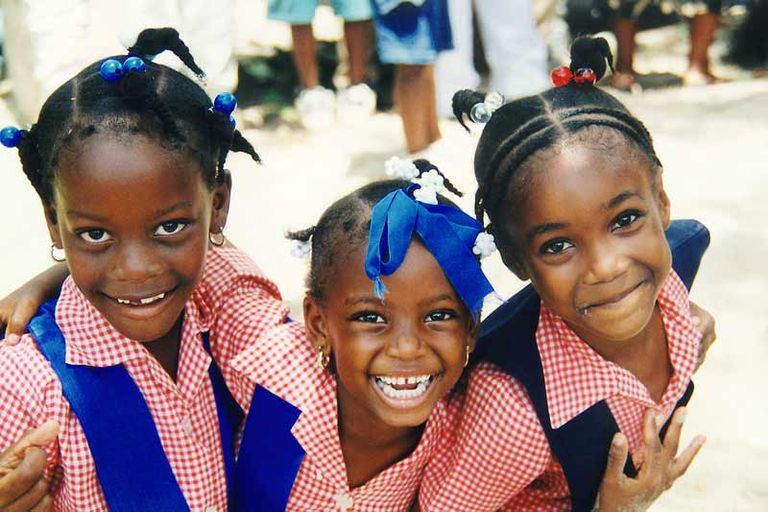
[
  {"x": 355, "y": 103},
  {"x": 316, "y": 107},
  {"x": 624, "y": 81},
  {"x": 697, "y": 77}
]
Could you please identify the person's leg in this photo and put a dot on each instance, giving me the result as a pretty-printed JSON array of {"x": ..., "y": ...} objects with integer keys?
[
  {"x": 305, "y": 55},
  {"x": 358, "y": 36},
  {"x": 625, "y": 30},
  {"x": 415, "y": 99},
  {"x": 703, "y": 27}
]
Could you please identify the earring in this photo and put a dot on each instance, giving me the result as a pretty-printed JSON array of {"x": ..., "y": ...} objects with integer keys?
[
  {"x": 466, "y": 355},
  {"x": 217, "y": 238},
  {"x": 57, "y": 255},
  {"x": 323, "y": 359}
]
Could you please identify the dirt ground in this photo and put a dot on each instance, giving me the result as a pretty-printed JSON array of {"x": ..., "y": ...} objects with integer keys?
[{"x": 713, "y": 142}]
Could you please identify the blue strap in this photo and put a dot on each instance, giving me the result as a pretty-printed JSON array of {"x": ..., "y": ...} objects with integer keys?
[
  {"x": 508, "y": 339},
  {"x": 131, "y": 465},
  {"x": 269, "y": 457},
  {"x": 447, "y": 232},
  {"x": 230, "y": 417}
]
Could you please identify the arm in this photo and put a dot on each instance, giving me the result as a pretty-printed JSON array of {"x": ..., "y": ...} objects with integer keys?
[
  {"x": 19, "y": 306},
  {"x": 22, "y": 485},
  {"x": 661, "y": 466},
  {"x": 705, "y": 322}
]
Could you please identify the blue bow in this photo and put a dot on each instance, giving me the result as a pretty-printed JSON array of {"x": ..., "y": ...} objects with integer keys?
[{"x": 447, "y": 232}]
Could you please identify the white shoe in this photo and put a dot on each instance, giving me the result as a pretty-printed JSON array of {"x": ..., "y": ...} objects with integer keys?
[
  {"x": 316, "y": 107},
  {"x": 355, "y": 103}
]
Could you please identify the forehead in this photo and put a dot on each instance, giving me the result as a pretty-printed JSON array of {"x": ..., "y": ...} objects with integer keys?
[
  {"x": 578, "y": 179},
  {"x": 116, "y": 171}
]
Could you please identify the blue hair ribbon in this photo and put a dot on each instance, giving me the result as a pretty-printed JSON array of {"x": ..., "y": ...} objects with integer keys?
[{"x": 447, "y": 232}]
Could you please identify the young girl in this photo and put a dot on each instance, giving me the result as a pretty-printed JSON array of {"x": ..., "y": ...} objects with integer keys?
[
  {"x": 349, "y": 407},
  {"x": 573, "y": 189},
  {"x": 128, "y": 160}
]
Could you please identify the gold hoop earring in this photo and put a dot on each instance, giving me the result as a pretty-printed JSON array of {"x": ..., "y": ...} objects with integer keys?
[
  {"x": 217, "y": 238},
  {"x": 323, "y": 359},
  {"x": 57, "y": 255},
  {"x": 466, "y": 355}
]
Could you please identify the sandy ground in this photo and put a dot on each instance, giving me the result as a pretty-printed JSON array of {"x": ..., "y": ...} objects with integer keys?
[{"x": 713, "y": 142}]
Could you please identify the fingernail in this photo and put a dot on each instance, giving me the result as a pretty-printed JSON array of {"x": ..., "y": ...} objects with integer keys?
[
  {"x": 12, "y": 339},
  {"x": 681, "y": 415},
  {"x": 695, "y": 320},
  {"x": 618, "y": 441},
  {"x": 659, "y": 420}
]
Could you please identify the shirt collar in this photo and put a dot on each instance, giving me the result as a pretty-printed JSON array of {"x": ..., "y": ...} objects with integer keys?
[
  {"x": 576, "y": 376},
  {"x": 92, "y": 341}
]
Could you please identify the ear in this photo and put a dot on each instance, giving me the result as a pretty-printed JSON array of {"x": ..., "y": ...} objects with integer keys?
[
  {"x": 52, "y": 221},
  {"x": 315, "y": 324},
  {"x": 473, "y": 329},
  {"x": 220, "y": 203},
  {"x": 663, "y": 199}
]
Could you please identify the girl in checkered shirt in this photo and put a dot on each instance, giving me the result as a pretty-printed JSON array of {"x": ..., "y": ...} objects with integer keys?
[
  {"x": 596, "y": 358},
  {"x": 128, "y": 159}
]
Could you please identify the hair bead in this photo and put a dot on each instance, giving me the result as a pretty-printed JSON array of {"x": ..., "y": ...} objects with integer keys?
[
  {"x": 134, "y": 63},
  {"x": 10, "y": 136},
  {"x": 225, "y": 102},
  {"x": 111, "y": 70},
  {"x": 480, "y": 113}
]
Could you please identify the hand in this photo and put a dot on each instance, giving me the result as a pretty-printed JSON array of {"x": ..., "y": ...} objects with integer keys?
[
  {"x": 660, "y": 469},
  {"x": 18, "y": 308},
  {"x": 22, "y": 485},
  {"x": 705, "y": 322}
]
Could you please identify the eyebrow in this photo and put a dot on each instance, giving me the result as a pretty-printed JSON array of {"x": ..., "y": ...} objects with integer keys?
[
  {"x": 158, "y": 213},
  {"x": 627, "y": 194},
  {"x": 544, "y": 228},
  {"x": 366, "y": 299}
]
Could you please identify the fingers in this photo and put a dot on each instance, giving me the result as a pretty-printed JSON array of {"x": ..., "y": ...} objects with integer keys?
[
  {"x": 44, "y": 505},
  {"x": 31, "y": 499},
  {"x": 38, "y": 437},
  {"x": 25, "y": 479},
  {"x": 672, "y": 437},
  {"x": 617, "y": 458},
  {"x": 680, "y": 465},
  {"x": 23, "y": 311},
  {"x": 651, "y": 448}
]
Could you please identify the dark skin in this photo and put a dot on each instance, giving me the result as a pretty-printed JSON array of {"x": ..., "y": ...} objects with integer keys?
[{"x": 421, "y": 328}]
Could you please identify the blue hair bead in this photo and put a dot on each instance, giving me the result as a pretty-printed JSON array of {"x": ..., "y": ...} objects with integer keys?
[
  {"x": 134, "y": 63},
  {"x": 232, "y": 121},
  {"x": 111, "y": 70},
  {"x": 225, "y": 102},
  {"x": 10, "y": 136}
]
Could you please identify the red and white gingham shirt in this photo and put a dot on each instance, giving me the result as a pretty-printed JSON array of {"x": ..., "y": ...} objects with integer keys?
[
  {"x": 184, "y": 411},
  {"x": 500, "y": 458},
  {"x": 284, "y": 362}
]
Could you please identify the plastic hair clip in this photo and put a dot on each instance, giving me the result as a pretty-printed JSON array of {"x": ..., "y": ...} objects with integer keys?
[
  {"x": 10, "y": 136},
  {"x": 482, "y": 112}
]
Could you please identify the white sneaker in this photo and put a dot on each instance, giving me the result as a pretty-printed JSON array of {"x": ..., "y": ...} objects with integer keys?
[
  {"x": 316, "y": 107},
  {"x": 355, "y": 103}
]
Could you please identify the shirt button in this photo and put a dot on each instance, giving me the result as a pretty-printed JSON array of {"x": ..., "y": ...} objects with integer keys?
[
  {"x": 186, "y": 425},
  {"x": 344, "y": 502}
]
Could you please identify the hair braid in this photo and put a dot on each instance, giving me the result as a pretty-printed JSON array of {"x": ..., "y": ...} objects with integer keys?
[
  {"x": 138, "y": 91},
  {"x": 156, "y": 40},
  {"x": 425, "y": 166}
]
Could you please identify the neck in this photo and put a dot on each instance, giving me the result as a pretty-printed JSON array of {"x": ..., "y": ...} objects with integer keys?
[
  {"x": 645, "y": 355},
  {"x": 369, "y": 445},
  {"x": 166, "y": 349}
]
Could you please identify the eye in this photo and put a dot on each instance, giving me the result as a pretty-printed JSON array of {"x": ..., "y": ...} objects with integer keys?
[
  {"x": 369, "y": 317},
  {"x": 95, "y": 236},
  {"x": 624, "y": 219},
  {"x": 555, "y": 246},
  {"x": 440, "y": 316},
  {"x": 170, "y": 228}
]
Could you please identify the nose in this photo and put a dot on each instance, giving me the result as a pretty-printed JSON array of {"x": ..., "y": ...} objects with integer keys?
[
  {"x": 136, "y": 261},
  {"x": 406, "y": 342},
  {"x": 604, "y": 262}
]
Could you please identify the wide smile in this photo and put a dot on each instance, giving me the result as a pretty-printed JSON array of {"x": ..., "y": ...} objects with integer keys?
[
  {"x": 404, "y": 391},
  {"x": 141, "y": 303}
]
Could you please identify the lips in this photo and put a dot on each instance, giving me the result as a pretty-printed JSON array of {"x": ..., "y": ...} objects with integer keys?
[
  {"x": 404, "y": 390},
  {"x": 613, "y": 299}
]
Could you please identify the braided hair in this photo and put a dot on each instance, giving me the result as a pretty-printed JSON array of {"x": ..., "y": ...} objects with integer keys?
[
  {"x": 344, "y": 227},
  {"x": 160, "y": 103},
  {"x": 521, "y": 128}
]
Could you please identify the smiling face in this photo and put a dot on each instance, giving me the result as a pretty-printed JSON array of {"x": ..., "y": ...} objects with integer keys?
[
  {"x": 133, "y": 219},
  {"x": 394, "y": 358},
  {"x": 591, "y": 236}
]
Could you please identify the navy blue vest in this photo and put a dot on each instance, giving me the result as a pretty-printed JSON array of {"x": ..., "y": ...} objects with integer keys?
[
  {"x": 508, "y": 339},
  {"x": 131, "y": 465}
]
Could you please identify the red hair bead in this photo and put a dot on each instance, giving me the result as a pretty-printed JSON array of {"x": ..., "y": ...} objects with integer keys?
[
  {"x": 585, "y": 76},
  {"x": 561, "y": 76}
]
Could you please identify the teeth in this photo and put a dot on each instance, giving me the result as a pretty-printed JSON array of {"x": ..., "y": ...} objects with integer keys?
[
  {"x": 385, "y": 385},
  {"x": 401, "y": 381},
  {"x": 143, "y": 302}
]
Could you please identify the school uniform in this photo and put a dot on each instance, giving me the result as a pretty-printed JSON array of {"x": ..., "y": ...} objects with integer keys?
[
  {"x": 503, "y": 460},
  {"x": 298, "y": 464},
  {"x": 183, "y": 413}
]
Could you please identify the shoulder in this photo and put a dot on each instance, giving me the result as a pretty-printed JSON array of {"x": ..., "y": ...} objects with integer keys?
[
  {"x": 228, "y": 267},
  {"x": 492, "y": 395}
]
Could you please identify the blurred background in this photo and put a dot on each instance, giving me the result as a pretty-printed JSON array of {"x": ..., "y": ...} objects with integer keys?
[{"x": 326, "y": 128}]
